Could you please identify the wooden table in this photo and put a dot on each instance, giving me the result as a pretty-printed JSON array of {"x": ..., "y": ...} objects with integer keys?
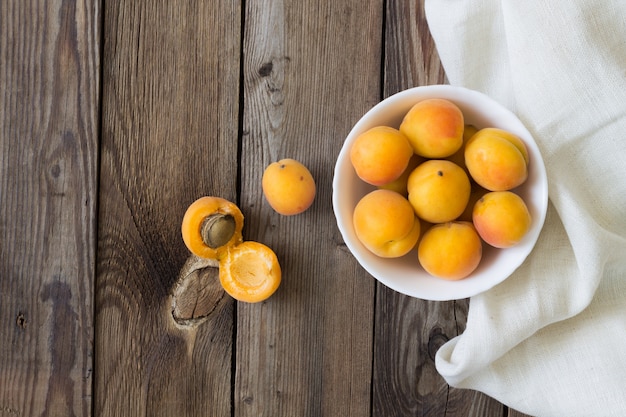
[{"x": 115, "y": 116}]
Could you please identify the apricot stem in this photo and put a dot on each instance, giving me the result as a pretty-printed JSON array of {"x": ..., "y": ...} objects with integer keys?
[{"x": 217, "y": 229}]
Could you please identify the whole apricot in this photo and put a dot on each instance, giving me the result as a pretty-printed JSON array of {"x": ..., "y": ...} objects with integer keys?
[
  {"x": 438, "y": 190},
  {"x": 380, "y": 155},
  {"x": 451, "y": 250},
  {"x": 434, "y": 128},
  {"x": 496, "y": 159},
  {"x": 288, "y": 187},
  {"x": 501, "y": 218},
  {"x": 385, "y": 223}
]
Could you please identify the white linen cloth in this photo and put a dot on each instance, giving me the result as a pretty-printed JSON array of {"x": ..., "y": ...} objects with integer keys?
[{"x": 551, "y": 339}]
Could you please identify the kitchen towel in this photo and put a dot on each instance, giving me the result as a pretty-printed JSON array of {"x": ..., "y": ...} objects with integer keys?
[{"x": 551, "y": 339}]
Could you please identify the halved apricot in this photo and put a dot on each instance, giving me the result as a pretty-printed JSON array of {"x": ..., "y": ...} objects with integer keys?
[
  {"x": 211, "y": 225},
  {"x": 250, "y": 272}
]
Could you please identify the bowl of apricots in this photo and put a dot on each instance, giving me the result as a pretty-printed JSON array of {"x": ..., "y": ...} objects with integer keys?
[{"x": 440, "y": 192}]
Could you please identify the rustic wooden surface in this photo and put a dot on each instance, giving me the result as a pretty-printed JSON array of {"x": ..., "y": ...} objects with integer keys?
[{"x": 114, "y": 117}]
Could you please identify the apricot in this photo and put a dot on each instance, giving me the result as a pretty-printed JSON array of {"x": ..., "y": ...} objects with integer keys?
[
  {"x": 497, "y": 159},
  {"x": 501, "y": 218},
  {"x": 250, "y": 272},
  {"x": 434, "y": 128},
  {"x": 399, "y": 185},
  {"x": 210, "y": 226},
  {"x": 288, "y": 187},
  {"x": 451, "y": 250},
  {"x": 385, "y": 223},
  {"x": 380, "y": 155},
  {"x": 438, "y": 190}
]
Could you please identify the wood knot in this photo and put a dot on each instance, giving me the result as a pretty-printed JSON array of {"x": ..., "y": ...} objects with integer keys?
[
  {"x": 266, "y": 69},
  {"x": 20, "y": 321},
  {"x": 197, "y": 292}
]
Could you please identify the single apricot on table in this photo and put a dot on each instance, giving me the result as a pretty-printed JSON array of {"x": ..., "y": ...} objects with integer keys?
[
  {"x": 288, "y": 187},
  {"x": 250, "y": 272},
  {"x": 434, "y": 128},
  {"x": 385, "y": 223},
  {"x": 438, "y": 190},
  {"x": 451, "y": 250},
  {"x": 497, "y": 159},
  {"x": 501, "y": 218},
  {"x": 380, "y": 155}
]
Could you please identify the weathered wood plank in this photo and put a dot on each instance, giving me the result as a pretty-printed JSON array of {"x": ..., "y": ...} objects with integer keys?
[
  {"x": 49, "y": 98},
  {"x": 311, "y": 70},
  {"x": 410, "y": 331},
  {"x": 169, "y": 136}
]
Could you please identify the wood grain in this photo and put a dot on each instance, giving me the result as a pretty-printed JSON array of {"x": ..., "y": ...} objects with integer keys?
[
  {"x": 309, "y": 74},
  {"x": 49, "y": 80},
  {"x": 169, "y": 136}
]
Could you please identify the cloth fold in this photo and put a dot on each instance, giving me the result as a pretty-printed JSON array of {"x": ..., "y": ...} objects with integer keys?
[{"x": 551, "y": 339}]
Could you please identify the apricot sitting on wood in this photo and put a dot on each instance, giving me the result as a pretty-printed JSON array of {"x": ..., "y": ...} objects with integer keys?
[
  {"x": 288, "y": 187},
  {"x": 250, "y": 272},
  {"x": 210, "y": 225}
]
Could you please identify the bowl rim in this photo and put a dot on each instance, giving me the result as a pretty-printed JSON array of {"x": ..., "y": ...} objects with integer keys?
[{"x": 438, "y": 289}]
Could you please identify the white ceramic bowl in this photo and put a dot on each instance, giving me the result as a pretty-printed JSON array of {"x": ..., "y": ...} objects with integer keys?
[{"x": 404, "y": 274}]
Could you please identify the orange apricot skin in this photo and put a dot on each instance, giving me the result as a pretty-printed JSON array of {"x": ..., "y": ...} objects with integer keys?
[
  {"x": 434, "y": 128},
  {"x": 288, "y": 187},
  {"x": 438, "y": 190},
  {"x": 496, "y": 159},
  {"x": 380, "y": 155},
  {"x": 194, "y": 217},
  {"x": 451, "y": 250},
  {"x": 501, "y": 218},
  {"x": 385, "y": 224}
]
